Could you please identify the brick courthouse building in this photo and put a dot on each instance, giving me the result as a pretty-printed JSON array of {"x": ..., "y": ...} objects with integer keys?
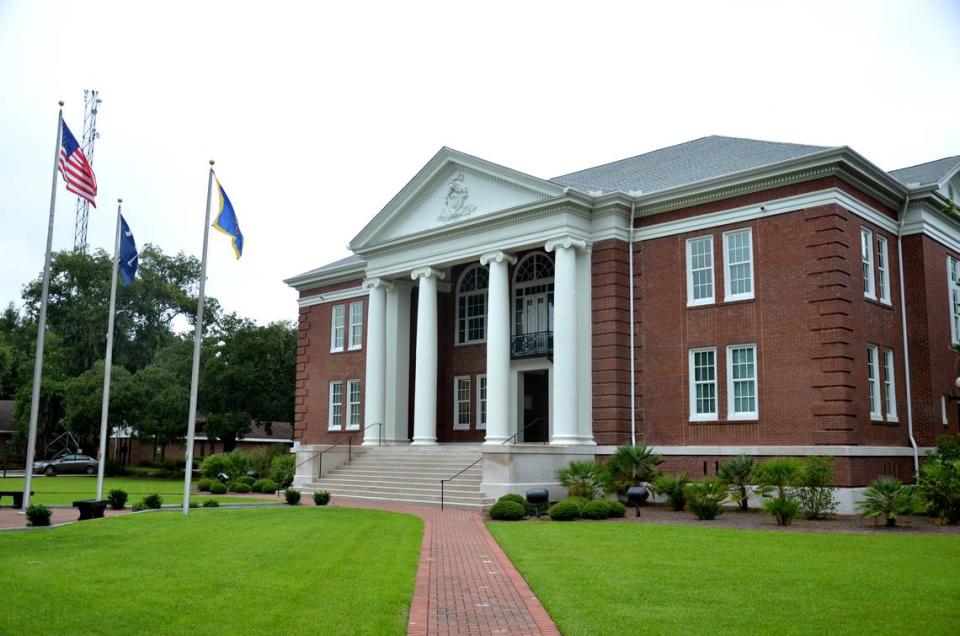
[{"x": 787, "y": 300}]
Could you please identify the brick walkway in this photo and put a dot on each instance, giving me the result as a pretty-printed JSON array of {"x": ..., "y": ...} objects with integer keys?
[{"x": 465, "y": 583}]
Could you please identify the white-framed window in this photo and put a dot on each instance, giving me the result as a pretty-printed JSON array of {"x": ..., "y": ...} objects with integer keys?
[
  {"x": 356, "y": 326},
  {"x": 336, "y": 328},
  {"x": 335, "y": 420},
  {"x": 738, "y": 264},
  {"x": 742, "y": 382},
  {"x": 700, "y": 271},
  {"x": 866, "y": 255},
  {"x": 873, "y": 381},
  {"x": 883, "y": 270},
  {"x": 943, "y": 411},
  {"x": 889, "y": 386},
  {"x": 953, "y": 285},
  {"x": 481, "y": 402},
  {"x": 703, "y": 384},
  {"x": 353, "y": 404},
  {"x": 461, "y": 403},
  {"x": 472, "y": 305}
]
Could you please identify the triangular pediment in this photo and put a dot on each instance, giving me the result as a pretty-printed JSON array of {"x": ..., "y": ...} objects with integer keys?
[{"x": 453, "y": 188}]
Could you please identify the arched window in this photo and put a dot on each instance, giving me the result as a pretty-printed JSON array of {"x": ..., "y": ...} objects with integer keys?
[
  {"x": 533, "y": 295},
  {"x": 472, "y": 305}
]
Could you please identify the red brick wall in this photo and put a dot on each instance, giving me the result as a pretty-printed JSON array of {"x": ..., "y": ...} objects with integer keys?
[{"x": 611, "y": 341}]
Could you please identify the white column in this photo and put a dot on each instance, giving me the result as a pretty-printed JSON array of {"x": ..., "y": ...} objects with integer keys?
[
  {"x": 498, "y": 347},
  {"x": 565, "y": 343},
  {"x": 425, "y": 383},
  {"x": 375, "y": 378},
  {"x": 585, "y": 345},
  {"x": 396, "y": 430}
]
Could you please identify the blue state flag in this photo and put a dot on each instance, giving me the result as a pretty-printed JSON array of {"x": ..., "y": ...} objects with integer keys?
[
  {"x": 227, "y": 222},
  {"x": 129, "y": 259}
]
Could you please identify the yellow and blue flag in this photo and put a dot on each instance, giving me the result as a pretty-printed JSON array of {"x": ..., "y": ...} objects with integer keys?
[{"x": 227, "y": 223}]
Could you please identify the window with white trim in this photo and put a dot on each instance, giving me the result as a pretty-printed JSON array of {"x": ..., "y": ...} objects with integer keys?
[
  {"x": 353, "y": 404},
  {"x": 703, "y": 384},
  {"x": 700, "y": 271},
  {"x": 889, "y": 386},
  {"x": 335, "y": 420},
  {"x": 461, "y": 403},
  {"x": 472, "y": 305},
  {"x": 883, "y": 270},
  {"x": 356, "y": 326},
  {"x": 742, "y": 382},
  {"x": 738, "y": 265},
  {"x": 481, "y": 402},
  {"x": 953, "y": 284},
  {"x": 873, "y": 381},
  {"x": 336, "y": 328},
  {"x": 866, "y": 255}
]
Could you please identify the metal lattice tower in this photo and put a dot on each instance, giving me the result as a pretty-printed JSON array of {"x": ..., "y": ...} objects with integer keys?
[{"x": 91, "y": 104}]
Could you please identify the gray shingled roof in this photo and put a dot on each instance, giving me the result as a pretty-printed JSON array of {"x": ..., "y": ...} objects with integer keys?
[
  {"x": 926, "y": 173},
  {"x": 684, "y": 163},
  {"x": 348, "y": 261}
]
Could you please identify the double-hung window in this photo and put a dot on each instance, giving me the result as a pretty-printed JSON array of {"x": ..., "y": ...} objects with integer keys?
[
  {"x": 700, "y": 271},
  {"x": 461, "y": 402},
  {"x": 873, "y": 381},
  {"x": 742, "y": 382},
  {"x": 883, "y": 270},
  {"x": 337, "y": 328},
  {"x": 353, "y": 404},
  {"x": 356, "y": 326},
  {"x": 866, "y": 255},
  {"x": 889, "y": 386},
  {"x": 703, "y": 384},
  {"x": 472, "y": 305},
  {"x": 738, "y": 265},
  {"x": 481, "y": 402},
  {"x": 953, "y": 284},
  {"x": 335, "y": 420}
]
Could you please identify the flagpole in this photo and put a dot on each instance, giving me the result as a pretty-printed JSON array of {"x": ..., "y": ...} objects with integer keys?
[
  {"x": 108, "y": 362},
  {"x": 197, "y": 337},
  {"x": 41, "y": 325}
]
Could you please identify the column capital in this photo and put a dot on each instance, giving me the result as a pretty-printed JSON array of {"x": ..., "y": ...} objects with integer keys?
[
  {"x": 427, "y": 272},
  {"x": 498, "y": 257},
  {"x": 565, "y": 242},
  {"x": 375, "y": 283}
]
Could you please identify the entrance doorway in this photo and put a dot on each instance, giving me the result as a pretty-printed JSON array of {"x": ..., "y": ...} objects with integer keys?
[{"x": 535, "y": 421}]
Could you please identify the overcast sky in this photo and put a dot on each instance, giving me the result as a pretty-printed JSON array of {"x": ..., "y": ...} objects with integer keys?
[{"x": 318, "y": 113}]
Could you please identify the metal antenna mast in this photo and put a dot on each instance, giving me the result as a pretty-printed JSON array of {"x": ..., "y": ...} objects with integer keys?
[{"x": 91, "y": 104}]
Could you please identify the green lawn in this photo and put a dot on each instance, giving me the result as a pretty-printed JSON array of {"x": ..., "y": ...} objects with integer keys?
[
  {"x": 291, "y": 570},
  {"x": 622, "y": 578},
  {"x": 65, "y": 490}
]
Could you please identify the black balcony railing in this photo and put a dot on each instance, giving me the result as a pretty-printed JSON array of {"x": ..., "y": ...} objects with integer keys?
[{"x": 532, "y": 345}]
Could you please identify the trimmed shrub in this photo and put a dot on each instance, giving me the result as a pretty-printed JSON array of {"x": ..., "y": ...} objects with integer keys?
[
  {"x": 321, "y": 498},
  {"x": 237, "y": 464},
  {"x": 194, "y": 504},
  {"x": 213, "y": 466},
  {"x": 582, "y": 478},
  {"x": 139, "y": 506},
  {"x": 246, "y": 479},
  {"x": 210, "y": 503},
  {"x": 566, "y": 510},
  {"x": 886, "y": 498},
  {"x": 266, "y": 486},
  {"x": 292, "y": 495},
  {"x": 706, "y": 496},
  {"x": 281, "y": 469},
  {"x": 596, "y": 509},
  {"x": 783, "y": 510},
  {"x": 737, "y": 472},
  {"x": 939, "y": 483},
  {"x": 203, "y": 484},
  {"x": 153, "y": 501},
  {"x": 507, "y": 510},
  {"x": 528, "y": 507},
  {"x": 216, "y": 488},
  {"x": 815, "y": 493},
  {"x": 615, "y": 509},
  {"x": 38, "y": 515},
  {"x": 240, "y": 487},
  {"x": 118, "y": 498},
  {"x": 630, "y": 466},
  {"x": 673, "y": 487}
]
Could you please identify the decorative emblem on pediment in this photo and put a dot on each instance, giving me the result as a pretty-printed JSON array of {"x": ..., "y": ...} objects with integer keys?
[{"x": 455, "y": 205}]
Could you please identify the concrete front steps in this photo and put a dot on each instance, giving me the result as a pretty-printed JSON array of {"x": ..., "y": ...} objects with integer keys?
[{"x": 409, "y": 474}]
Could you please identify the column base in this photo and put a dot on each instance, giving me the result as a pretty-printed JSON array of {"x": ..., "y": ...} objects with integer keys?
[
  {"x": 571, "y": 440},
  {"x": 494, "y": 441},
  {"x": 424, "y": 441}
]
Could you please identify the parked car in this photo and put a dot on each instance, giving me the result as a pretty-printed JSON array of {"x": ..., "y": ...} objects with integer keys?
[{"x": 66, "y": 464}]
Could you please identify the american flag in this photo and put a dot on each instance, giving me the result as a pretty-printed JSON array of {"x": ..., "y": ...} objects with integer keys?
[{"x": 75, "y": 169}]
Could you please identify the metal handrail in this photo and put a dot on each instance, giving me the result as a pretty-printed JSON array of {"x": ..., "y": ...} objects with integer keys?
[
  {"x": 349, "y": 446},
  {"x": 475, "y": 462},
  {"x": 522, "y": 430}
]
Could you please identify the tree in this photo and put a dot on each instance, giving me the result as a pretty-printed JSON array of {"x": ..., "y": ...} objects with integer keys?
[
  {"x": 163, "y": 396},
  {"x": 83, "y": 401}
]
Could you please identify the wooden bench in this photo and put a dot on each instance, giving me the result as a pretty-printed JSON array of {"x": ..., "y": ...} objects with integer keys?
[
  {"x": 91, "y": 508},
  {"x": 17, "y": 496}
]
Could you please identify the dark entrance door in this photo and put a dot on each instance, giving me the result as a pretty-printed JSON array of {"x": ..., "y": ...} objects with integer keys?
[{"x": 536, "y": 406}]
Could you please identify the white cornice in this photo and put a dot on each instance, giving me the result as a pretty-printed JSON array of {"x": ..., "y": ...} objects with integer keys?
[
  {"x": 332, "y": 297},
  {"x": 924, "y": 220},
  {"x": 332, "y": 276}
]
